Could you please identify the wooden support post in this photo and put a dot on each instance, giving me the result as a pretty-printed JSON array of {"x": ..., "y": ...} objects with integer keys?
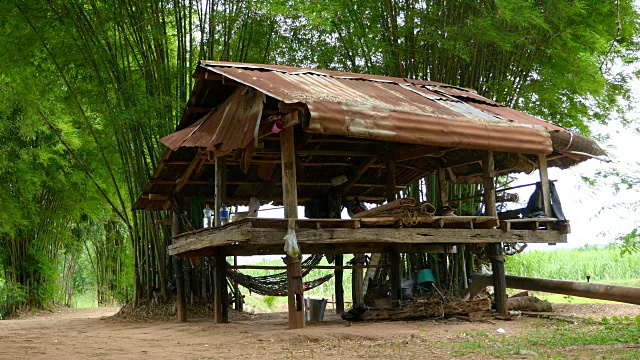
[
  {"x": 181, "y": 301},
  {"x": 290, "y": 200},
  {"x": 495, "y": 249},
  {"x": 391, "y": 177},
  {"x": 221, "y": 186},
  {"x": 499, "y": 280},
  {"x": 221, "y": 298},
  {"x": 394, "y": 257},
  {"x": 339, "y": 290},
  {"x": 236, "y": 290},
  {"x": 544, "y": 184},
  {"x": 357, "y": 280},
  {"x": 442, "y": 187},
  {"x": 395, "y": 277},
  {"x": 489, "y": 185}
]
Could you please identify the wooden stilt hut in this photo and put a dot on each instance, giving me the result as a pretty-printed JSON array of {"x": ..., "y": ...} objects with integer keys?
[{"x": 310, "y": 137}]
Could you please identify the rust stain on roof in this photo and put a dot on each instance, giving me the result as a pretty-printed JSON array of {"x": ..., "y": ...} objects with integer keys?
[
  {"x": 395, "y": 109},
  {"x": 231, "y": 126}
]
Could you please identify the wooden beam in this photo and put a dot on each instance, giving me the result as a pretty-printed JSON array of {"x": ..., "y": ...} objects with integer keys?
[
  {"x": 357, "y": 174},
  {"x": 325, "y": 267},
  {"x": 544, "y": 184},
  {"x": 362, "y": 237},
  {"x": 499, "y": 280},
  {"x": 357, "y": 280},
  {"x": 339, "y": 289},
  {"x": 198, "y": 109},
  {"x": 181, "y": 301},
  {"x": 182, "y": 181},
  {"x": 495, "y": 249},
  {"x": 391, "y": 177},
  {"x": 409, "y": 152},
  {"x": 246, "y": 249},
  {"x": 342, "y": 141},
  {"x": 221, "y": 296},
  {"x": 343, "y": 153},
  {"x": 220, "y": 187},
  {"x": 489, "y": 184},
  {"x": 395, "y": 277},
  {"x": 295, "y": 288},
  {"x": 310, "y": 183},
  {"x": 442, "y": 186},
  {"x": 246, "y": 158}
]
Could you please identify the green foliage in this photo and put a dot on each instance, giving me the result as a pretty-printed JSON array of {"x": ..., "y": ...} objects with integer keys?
[
  {"x": 602, "y": 264},
  {"x": 12, "y": 296},
  {"x": 630, "y": 243}
]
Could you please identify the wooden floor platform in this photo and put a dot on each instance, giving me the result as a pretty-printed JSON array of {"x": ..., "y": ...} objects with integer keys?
[{"x": 259, "y": 236}]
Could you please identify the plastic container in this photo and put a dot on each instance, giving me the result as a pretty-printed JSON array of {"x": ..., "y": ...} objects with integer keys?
[
  {"x": 224, "y": 214},
  {"x": 314, "y": 309},
  {"x": 425, "y": 277},
  {"x": 207, "y": 220},
  {"x": 406, "y": 293}
]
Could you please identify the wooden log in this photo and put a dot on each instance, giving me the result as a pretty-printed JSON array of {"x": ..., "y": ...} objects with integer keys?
[
  {"x": 221, "y": 296},
  {"x": 355, "y": 177},
  {"x": 290, "y": 200},
  {"x": 181, "y": 301},
  {"x": 220, "y": 187},
  {"x": 544, "y": 184},
  {"x": 357, "y": 294},
  {"x": 499, "y": 282},
  {"x": 625, "y": 294},
  {"x": 432, "y": 308},
  {"x": 442, "y": 186},
  {"x": 391, "y": 177},
  {"x": 236, "y": 289},
  {"x": 489, "y": 195},
  {"x": 339, "y": 289},
  {"x": 362, "y": 238},
  {"x": 327, "y": 267},
  {"x": 395, "y": 275},
  {"x": 528, "y": 303}
]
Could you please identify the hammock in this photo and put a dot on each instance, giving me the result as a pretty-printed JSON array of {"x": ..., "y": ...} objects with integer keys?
[{"x": 276, "y": 284}]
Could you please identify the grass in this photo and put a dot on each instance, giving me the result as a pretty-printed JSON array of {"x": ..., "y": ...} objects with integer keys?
[
  {"x": 557, "y": 341},
  {"x": 601, "y": 264},
  {"x": 88, "y": 299}
]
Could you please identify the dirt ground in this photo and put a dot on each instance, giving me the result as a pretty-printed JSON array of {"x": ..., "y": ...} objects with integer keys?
[{"x": 92, "y": 333}]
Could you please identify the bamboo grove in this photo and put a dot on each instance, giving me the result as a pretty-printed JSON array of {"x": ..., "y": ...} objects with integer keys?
[{"x": 88, "y": 86}]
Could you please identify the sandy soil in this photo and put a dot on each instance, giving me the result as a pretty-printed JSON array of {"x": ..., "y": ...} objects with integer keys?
[{"x": 92, "y": 333}]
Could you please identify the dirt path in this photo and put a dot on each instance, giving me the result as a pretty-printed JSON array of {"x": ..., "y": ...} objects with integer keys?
[{"x": 90, "y": 333}]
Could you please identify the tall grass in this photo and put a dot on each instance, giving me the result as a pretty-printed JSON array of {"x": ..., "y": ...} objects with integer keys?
[{"x": 602, "y": 264}]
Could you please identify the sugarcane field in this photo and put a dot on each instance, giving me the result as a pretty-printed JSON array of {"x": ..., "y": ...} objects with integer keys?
[{"x": 329, "y": 179}]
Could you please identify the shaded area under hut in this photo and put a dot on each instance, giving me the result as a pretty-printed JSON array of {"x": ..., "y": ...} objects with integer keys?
[{"x": 326, "y": 139}]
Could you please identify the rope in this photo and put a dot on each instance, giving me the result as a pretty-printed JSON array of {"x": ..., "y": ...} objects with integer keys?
[{"x": 276, "y": 284}]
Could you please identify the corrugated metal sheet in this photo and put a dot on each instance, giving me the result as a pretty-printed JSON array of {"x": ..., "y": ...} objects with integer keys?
[
  {"x": 390, "y": 125},
  {"x": 230, "y": 126},
  {"x": 395, "y": 109}
]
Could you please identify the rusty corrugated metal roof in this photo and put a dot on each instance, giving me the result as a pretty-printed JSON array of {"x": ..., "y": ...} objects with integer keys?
[
  {"x": 375, "y": 107},
  {"x": 230, "y": 126},
  {"x": 454, "y": 122}
]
